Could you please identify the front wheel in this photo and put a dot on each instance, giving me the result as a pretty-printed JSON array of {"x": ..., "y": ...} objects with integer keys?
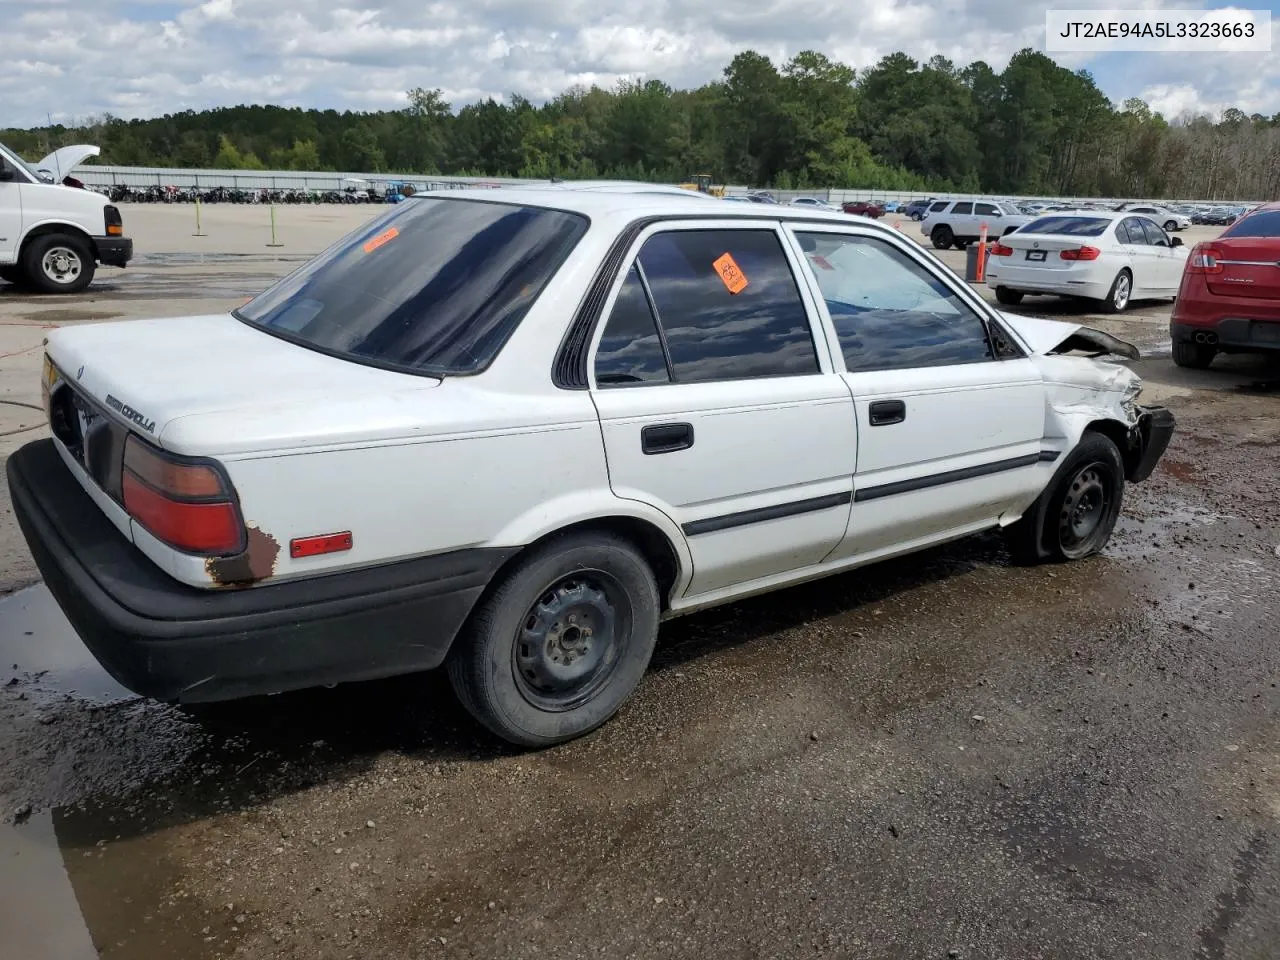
[
  {"x": 941, "y": 236},
  {"x": 1170, "y": 226},
  {"x": 1076, "y": 514},
  {"x": 58, "y": 263},
  {"x": 561, "y": 643}
]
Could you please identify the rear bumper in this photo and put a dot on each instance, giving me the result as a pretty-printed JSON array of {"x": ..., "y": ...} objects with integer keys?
[
  {"x": 1229, "y": 334},
  {"x": 1151, "y": 435},
  {"x": 1043, "y": 281},
  {"x": 166, "y": 640},
  {"x": 114, "y": 251}
]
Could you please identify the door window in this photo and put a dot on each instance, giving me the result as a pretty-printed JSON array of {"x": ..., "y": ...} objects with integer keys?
[
  {"x": 963, "y": 209},
  {"x": 1130, "y": 231},
  {"x": 728, "y": 305},
  {"x": 986, "y": 210},
  {"x": 889, "y": 311},
  {"x": 1155, "y": 236},
  {"x": 630, "y": 350}
]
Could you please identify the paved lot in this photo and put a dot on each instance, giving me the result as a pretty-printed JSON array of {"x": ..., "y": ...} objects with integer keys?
[{"x": 943, "y": 756}]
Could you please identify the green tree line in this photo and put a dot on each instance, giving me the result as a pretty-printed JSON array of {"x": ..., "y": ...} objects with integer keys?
[{"x": 1033, "y": 128}]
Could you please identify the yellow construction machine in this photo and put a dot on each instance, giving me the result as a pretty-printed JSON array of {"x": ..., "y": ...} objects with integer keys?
[{"x": 702, "y": 183}]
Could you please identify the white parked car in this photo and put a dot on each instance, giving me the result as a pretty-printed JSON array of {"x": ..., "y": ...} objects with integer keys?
[
  {"x": 53, "y": 236},
  {"x": 1170, "y": 220},
  {"x": 813, "y": 203},
  {"x": 959, "y": 223},
  {"x": 511, "y": 431},
  {"x": 1109, "y": 257}
]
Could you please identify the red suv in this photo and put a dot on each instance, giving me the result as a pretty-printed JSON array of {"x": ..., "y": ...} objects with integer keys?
[{"x": 1229, "y": 301}]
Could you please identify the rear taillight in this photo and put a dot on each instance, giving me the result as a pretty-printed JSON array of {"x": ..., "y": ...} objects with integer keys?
[
  {"x": 1000, "y": 250},
  {"x": 115, "y": 225},
  {"x": 1081, "y": 253},
  {"x": 1204, "y": 259},
  {"x": 186, "y": 503}
]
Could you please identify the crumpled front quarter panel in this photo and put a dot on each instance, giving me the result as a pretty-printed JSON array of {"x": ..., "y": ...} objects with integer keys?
[{"x": 1082, "y": 390}]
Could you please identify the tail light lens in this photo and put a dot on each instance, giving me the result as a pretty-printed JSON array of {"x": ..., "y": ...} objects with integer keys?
[
  {"x": 1204, "y": 259},
  {"x": 185, "y": 503},
  {"x": 1081, "y": 253},
  {"x": 1000, "y": 250},
  {"x": 115, "y": 225}
]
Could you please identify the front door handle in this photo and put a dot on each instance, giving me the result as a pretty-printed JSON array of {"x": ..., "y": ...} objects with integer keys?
[
  {"x": 885, "y": 412},
  {"x": 666, "y": 437}
]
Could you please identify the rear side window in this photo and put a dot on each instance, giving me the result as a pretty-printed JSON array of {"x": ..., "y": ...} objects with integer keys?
[
  {"x": 433, "y": 286},
  {"x": 728, "y": 305},
  {"x": 1069, "y": 226},
  {"x": 630, "y": 350},
  {"x": 1265, "y": 224},
  {"x": 965, "y": 207}
]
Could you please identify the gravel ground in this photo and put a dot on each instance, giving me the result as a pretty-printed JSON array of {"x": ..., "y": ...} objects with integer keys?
[{"x": 944, "y": 756}]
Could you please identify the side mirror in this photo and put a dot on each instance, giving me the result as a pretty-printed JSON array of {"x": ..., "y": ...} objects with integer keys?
[{"x": 1176, "y": 241}]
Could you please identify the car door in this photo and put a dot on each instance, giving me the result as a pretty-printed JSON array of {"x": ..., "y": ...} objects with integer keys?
[
  {"x": 950, "y": 409},
  {"x": 962, "y": 221},
  {"x": 720, "y": 406},
  {"x": 1167, "y": 260},
  {"x": 1137, "y": 254},
  {"x": 989, "y": 214}
]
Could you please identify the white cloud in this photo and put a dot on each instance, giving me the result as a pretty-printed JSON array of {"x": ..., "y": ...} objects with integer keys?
[{"x": 147, "y": 58}]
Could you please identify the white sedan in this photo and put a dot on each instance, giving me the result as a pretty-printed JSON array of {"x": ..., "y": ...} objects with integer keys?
[
  {"x": 1109, "y": 257},
  {"x": 1171, "y": 220},
  {"x": 813, "y": 203},
  {"x": 511, "y": 431}
]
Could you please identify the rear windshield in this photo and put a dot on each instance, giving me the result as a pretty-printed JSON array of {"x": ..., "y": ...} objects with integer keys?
[
  {"x": 433, "y": 286},
  {"x": 1265, "y": 224},
  {"x": 1070, "y": 226}
]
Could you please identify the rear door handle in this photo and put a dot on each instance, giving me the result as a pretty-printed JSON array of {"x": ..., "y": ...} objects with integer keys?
[
  {"x": 884, "y": 412},
  {"x": 666, "y": 437}
]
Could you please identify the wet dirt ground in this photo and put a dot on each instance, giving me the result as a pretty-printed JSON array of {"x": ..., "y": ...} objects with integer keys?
[{"x": 944, "y": 756}]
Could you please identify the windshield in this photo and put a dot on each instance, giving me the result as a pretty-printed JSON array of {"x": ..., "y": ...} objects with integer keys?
[
  {"x": 1068, "y": 226},
  {"x": 12, "y": 157},
  {"x": 433, "y": 286}
]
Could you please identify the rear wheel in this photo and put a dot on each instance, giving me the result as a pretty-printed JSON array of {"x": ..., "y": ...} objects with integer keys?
[
  {"x": 1196, "y": 356},
  {"x": 1009, "y": 297},
  {"x": 941, "y": 236},
  {"x": 560, "y": 644},
  {"x": 1077, "y": 512},
  {"x": 58, "y": 263},
  {"x": 1121, "y": 289}
]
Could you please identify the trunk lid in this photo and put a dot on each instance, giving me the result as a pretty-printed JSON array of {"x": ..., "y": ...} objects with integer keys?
[
  {"x": 1027, "y": 246},
  {"x": 149, "y": 374},
  {"x": 1250, "y": 267}
]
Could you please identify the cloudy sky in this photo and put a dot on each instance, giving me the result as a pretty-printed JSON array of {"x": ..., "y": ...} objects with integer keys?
[{"x": 77, "y": 58}]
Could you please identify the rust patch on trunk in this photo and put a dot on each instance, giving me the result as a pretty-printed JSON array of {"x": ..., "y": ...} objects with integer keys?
[{"x": 256, "y": 563}]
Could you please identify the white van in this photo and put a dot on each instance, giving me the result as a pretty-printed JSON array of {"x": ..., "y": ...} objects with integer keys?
[{"x": 53, "y": 236}]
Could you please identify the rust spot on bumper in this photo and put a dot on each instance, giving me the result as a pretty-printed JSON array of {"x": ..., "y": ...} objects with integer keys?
[{"x": 256, "y": 563}]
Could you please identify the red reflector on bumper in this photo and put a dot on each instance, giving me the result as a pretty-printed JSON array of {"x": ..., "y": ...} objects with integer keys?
[{"x": 315, "y": 546}]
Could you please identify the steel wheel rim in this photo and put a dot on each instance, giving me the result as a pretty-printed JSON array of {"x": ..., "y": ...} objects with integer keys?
[
  {"x": 1122, "y": 291},
  {"x": 1089, "y": 501},
  {"x": 571, "y": 640},
  {"x": 61, "y": 264}
]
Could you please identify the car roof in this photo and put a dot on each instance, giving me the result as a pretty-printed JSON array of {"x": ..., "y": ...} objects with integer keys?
[{"x": 619, "y": 199}]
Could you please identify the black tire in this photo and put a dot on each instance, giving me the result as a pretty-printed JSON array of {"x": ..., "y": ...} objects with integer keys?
[
  {"x": 58, "y": 263},
  {"x": 941, "y": 236},
  {"x": 1195, "y": 356},
  {"x": 1171, "y": 226},
  {"x": 1074, "y": 517},
  {"x": 1121, "y": 292},
  {"x": 582, "y": 597},
  {"x": 917, "y": 217},
  {"x": 1009, "y": 297}
]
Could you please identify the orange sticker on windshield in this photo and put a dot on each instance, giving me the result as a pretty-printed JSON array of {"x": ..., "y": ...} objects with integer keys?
[
  {"x": 735, "y": 281},
  {"x": 385, "y": 237}
]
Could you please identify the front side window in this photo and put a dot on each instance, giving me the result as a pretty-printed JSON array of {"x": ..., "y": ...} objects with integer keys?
[
  {"x": 434, "y": 286},
  {"x": 1130, "y": 231},
  {"x": 889, "y": 311},
  {"x": 986, "y": 210},
  {"x": 728, "y": 305},
  {"x": 1155, "y": 236}
]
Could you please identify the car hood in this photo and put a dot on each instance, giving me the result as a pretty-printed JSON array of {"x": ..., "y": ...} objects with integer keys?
[
  {"x": 62, "y": 161},
  {"x": 1054, "y": 336}
]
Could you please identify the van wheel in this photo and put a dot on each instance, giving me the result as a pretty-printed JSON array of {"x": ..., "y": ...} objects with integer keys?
[
  {"x": 58, "y": 263},
  {"x": 941, "y": 236},
  {"x": 561, "y": 643},
  {"x": 1075, "y": 515},
  {"x": 1009, "y": 297},
  {"x": 1121, "y": 290}
]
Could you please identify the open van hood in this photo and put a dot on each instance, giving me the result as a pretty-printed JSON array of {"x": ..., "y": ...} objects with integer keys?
[
  {"x": 62, "y": 161},
  {"x": 1055, "y": 336}
]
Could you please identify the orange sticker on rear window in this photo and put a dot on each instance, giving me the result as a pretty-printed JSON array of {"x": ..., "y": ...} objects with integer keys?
[
  {"x": 385, "y": 237},
  {"x": 735, "y": 281}
]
